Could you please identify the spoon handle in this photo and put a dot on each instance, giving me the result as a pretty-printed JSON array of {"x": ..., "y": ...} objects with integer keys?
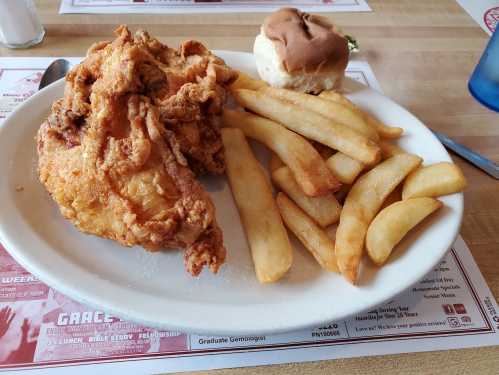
[{"x": 486, "y": 165}]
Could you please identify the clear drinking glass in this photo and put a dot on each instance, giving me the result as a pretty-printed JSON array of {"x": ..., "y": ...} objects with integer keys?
[
  {"x": 20, "y": 26},
  {"x": 484, "y": 82}
]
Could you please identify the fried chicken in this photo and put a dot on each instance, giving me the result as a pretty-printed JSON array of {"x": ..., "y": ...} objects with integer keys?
[{"x": 119, "y": 153}]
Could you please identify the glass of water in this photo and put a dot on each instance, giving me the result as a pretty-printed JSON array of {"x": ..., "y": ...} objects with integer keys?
[
  {"x": 20, "y": 26},
  {"x": 484, "y": 82}
]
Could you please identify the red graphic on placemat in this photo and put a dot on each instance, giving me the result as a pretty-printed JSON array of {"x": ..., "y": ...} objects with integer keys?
[
  {"x": 491, "y": 18},
  {"x": 6, "y": 317},
  {"x": 459, "y": 308},
  {"x": 17, "y": 284},
  {"x": 448, "y": 309},
  {"x": 71, "y": 330},
  {"x": 22, "y": 301},
  {"x": 19, "y": 329}
]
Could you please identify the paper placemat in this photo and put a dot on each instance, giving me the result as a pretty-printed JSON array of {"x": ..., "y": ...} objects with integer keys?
[
  {"x": 484, "y": 12},
  {"x": 207, "y": 6},
  {"x": 42, "y": 330}
]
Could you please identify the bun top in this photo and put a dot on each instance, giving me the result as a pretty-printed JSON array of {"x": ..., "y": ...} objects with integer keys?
[{"x": 305, "y": 42}]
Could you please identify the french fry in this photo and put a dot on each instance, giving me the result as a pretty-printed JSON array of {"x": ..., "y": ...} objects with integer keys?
[
  {"x": 244, "y": 81},
  {"x": 339, "y": 98},
  {"x": 268, "y": 240},
  {"x": 344, "y": 168},
  {"x": 383, "y": 130},
  {"x": 325, "y": 210},
  {"x": 392, "y": 224},
  {"x": 363, "y": 203},
  {"x": 309, "y": 169},
  {"x": 434, "y": 180},
  {"x": 389, "y": 149},
  {"x": 275, "y": 162},
  {"x": 311, "y": 125},
  {"x": 308, "y": 232},
  {"x": 330, "y": 109}
]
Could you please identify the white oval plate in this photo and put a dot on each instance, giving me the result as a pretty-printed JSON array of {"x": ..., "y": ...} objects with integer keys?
[{"x": 154, "y": 289}]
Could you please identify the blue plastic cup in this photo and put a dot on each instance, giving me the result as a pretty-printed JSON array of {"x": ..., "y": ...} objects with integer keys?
[{"x": 484, "y": 82}]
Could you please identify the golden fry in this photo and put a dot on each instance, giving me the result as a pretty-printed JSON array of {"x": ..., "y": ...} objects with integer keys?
[
  {"x": 325, "y": 210},
  {"x": 311, "y": 125},
  {"x": 309, "y": 169},
  {"x": 344, "y": 168},
  {"x": 330, "y": 109},
  {"x": 392, "y": 224},
  {"x": 244, "y": 81},
  {"x": 275, "y": 162},
  {"x": 268, "y": 240},
  {"x": 361, "y": 205},
  {"x": 308, "y": 232},
  {"x": 383, "y": 130},
  {"x": 339, "y": 98},
  {"x": 434, "y": 180}
]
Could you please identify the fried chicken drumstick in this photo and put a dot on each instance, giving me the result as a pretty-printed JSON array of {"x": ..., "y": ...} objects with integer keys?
[{"x": 120, "y": 152}]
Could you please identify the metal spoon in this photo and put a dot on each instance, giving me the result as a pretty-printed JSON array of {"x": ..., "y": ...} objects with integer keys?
[
  {"x": 55, "y": 71},
  {"x": 486, "y": 165}
]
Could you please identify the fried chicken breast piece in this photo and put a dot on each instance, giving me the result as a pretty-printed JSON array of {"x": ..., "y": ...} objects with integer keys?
[{"x": 120, "y": 150}]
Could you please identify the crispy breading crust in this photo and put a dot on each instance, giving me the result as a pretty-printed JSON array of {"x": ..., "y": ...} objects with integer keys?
[{"x": 120, "y": 151}]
